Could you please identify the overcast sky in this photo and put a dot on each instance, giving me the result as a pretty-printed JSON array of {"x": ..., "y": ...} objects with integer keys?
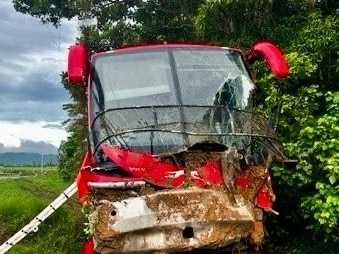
[{"x": 32, "y": 56}]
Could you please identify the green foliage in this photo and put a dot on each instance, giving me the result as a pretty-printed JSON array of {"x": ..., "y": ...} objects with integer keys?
[
  {"x": 48, "y": 11},
  {"x": 167, "y": 20},
  {"x": 309, "y": 193},
  {"x": 318, "y": 149},
  {"x": 128, "y": 22},
  {"x": 73, "y": 149},
  {"x": 307, "y": 31},
  {"x": 309, "y": 129},
  {"x": 22, "y": 199},
  {"x": 235, "y": 22}
]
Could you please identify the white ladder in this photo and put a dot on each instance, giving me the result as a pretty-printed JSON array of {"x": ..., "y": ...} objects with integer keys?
[{"x": 33, "y": 225}]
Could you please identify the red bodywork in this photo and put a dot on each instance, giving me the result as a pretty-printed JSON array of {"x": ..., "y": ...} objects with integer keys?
[
  {"x": 272, "y": 55},
  {"x": 142, "y": 166},
  {"x": 77, "y": 63},
  {"x": 154, "y": 171}
]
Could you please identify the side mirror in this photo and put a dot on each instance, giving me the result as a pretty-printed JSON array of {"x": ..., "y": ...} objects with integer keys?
[
  {"x": 77, "y": 63},
  {"x": 272, "y": 55}
]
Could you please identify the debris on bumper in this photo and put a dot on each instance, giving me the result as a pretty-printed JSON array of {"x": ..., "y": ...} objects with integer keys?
[{"x": 172, "y": 220}]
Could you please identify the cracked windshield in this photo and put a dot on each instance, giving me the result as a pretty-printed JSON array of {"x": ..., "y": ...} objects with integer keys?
[{"x": 167, "y": 98}]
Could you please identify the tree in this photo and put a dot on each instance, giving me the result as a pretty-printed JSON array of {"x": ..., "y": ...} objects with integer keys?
[
  {"x": 307, "y": 30},
  {"x": 48, "y": 11},
  {"x": 235, "y": 22},
  {"x": 308, "y": 192},
  {"x": 308, "y": 33},
  {"x": 73, "y": 149}
]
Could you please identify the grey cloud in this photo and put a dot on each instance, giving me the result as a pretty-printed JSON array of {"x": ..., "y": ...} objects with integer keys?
[
  {"x": 53, "y": 126},
  {"x": 27, "y": 33},
  {"x": 31, "y": 91},
  {"x": 29, "y": 146},
  {"x": 15, "y": 66},
  {"x": 34, "y": 87},
  {"x": 31, "y": 111},
  {"x": 35, "y": 99}
]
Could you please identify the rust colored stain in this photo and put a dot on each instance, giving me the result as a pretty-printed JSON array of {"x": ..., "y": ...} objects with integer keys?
[
  {"x": 214, "y": 219},
  {"x": 146, "y": 220}
]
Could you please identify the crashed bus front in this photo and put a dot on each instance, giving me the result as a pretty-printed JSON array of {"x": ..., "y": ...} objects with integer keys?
[{"x": 177, "y": 159}]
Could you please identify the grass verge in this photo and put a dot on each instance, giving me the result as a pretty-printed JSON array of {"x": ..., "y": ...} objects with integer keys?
[{"x": 22, "y": 199}]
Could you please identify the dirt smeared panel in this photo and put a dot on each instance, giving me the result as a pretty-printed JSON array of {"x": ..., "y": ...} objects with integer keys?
[
  {"x": 154, "y": 219},
  {"x": 170, "y": 239},
  {"x": 257, "y": 234},
  {"x": 195, "y": 203},
  {"x": 102, "y": 215},
  {"x": 213, "y": 219}
]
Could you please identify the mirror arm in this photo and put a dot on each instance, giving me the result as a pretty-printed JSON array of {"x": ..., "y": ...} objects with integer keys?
[{"x": 272, "y": 55}]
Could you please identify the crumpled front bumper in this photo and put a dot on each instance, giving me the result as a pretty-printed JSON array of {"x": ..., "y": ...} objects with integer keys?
[{"x": 172, "y": 220}]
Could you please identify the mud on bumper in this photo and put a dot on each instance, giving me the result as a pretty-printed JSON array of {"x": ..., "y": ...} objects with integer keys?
[{"x": 171, "y": 221}]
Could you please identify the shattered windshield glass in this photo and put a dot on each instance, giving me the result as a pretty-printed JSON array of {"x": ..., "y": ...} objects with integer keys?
[
  {"x": 163, "y": 100},
  {"x": 194, "y": 76},
  {"x": 213, "y": 77}
]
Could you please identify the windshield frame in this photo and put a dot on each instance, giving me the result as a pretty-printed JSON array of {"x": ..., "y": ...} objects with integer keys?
[{"x": 169, "y": 49}]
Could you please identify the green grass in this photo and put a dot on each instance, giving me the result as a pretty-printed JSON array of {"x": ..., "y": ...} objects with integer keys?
[
  {"x": 22, "y": 199},
  {"x": 27, "y": 169}
]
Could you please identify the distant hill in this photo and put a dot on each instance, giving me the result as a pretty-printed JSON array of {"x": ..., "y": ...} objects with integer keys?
[{"x": 16, "y": 159}]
